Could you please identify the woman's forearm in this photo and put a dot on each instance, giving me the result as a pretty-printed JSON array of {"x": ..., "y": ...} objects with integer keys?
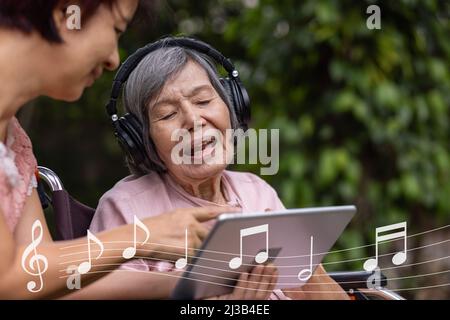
[
  {"x": 18, "y": 261},
  {"x": 14, "y": 264},
  {"x": 129, "y": 284}
]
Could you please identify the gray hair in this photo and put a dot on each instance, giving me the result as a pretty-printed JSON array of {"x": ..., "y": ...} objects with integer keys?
[{"x": 146, "y": 82}]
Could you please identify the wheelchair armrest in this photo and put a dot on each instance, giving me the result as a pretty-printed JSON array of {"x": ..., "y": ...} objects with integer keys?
[
  {"x": 378, "y": 294},
  {"x": 355, "y": 279},
  {"x": 72, "y": 218}
]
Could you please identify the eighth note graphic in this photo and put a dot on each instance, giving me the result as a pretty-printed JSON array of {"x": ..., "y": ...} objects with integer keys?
[
  {"x": 34, "y": 265},
  {"x": 130, "y": 252},
  {"x": 182, "y": 262},
  {"x": 86, "y": 266},
  {"x": 262, "y": 256},
  {"x": 399, "y": 257},
  {"x": 305, "y": 274}
]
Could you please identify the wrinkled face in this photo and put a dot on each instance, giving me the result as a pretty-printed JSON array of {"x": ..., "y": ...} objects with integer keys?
[
  {"x": 188, "y": 121},
  {"x": 85, "y": 53}
]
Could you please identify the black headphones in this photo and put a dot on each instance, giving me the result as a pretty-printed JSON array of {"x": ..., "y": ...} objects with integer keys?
[{"x": 128, "y": 129}]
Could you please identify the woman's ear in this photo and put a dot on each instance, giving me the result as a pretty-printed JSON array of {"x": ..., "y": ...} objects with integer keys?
[{"x": 59, "y": 17}]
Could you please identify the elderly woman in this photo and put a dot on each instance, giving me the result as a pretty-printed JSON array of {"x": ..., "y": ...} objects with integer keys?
[{"x": 174, "y": 89}]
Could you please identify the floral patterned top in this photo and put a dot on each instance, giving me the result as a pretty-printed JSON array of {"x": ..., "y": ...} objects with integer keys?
[{"x": 17, "y": 172}]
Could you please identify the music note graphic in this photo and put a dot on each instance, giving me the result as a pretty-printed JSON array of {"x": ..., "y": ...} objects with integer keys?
[
  {"x": 34, "y": 265},
  {"x": 305, "y": 274},
  {"x": 182, "y": 262},
  {"x": 399, "y": 257},
  {"x": 86, "y": 266},
  {"x": 262, "y": 256},
  {"x": 374, "y": 280},
  {"x": 130, "y": 252}
]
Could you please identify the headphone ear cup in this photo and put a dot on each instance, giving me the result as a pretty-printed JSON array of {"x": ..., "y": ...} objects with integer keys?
[
  {"x": 226, "y": 83},
  {"x": 239, "y": 99},
  {"x": 128, "y": 133},
  {"x": 242, "y": 102},
  {"x": 135, "y": 127}
]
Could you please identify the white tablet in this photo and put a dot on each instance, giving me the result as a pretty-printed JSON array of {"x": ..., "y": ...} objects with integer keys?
[{"x": 295, "y": 240}]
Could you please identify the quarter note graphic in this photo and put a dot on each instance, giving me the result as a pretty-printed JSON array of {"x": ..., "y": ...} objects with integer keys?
[
  {"x": 130, "y": 252},
  {"x": 305, "y": 274},
  {"x": 262, "y": 256},
  {"x": 182, "y": 262},
  {"x": 399, "y": 257},
  {"x": 34, "y": 265},
  {"x": 86, "y": 266}
]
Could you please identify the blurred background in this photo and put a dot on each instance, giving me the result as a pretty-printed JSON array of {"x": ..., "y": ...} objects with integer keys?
[{"x": 364, "y": 118}]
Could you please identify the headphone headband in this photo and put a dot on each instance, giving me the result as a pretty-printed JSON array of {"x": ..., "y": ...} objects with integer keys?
[{"x": 132, "y": 61}]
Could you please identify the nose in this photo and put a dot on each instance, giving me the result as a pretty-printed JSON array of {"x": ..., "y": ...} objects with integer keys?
[
  {"x": 192, "y": 118},
  {"x": 113, "y": 60}
]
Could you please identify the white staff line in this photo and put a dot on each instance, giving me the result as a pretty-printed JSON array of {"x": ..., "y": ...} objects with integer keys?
[
  {"x": 422, "y": 288},
  {"x": 284, "y": 290},
  {"x": 280, "y": 276},
  {"x": 330, "y": 252},
  {"x": 230, "y": 254}
]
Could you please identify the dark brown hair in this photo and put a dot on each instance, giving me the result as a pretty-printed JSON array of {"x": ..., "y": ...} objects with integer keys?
[{"x": 37, "y": 15}]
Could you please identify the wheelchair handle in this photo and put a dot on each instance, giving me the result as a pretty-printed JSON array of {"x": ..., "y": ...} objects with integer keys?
[{"x": 50, "y": 178}]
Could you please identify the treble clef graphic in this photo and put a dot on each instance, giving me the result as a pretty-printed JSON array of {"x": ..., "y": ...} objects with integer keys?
[{"x": 34, "y": 264}]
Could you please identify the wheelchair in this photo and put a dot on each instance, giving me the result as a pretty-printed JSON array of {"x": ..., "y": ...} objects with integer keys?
[{"x": 72, "y": 219}]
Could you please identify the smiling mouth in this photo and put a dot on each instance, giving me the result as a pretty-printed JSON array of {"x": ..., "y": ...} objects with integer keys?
[
  {"x": 96, "y": 73},
  {"x": 197, "y": 150}
]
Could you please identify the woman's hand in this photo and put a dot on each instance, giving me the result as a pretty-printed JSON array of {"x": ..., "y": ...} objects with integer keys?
[
  {"x": 257, "y": 285},
  {"x": 320, "y": 287},
  {"x": 168, "y": 231}
]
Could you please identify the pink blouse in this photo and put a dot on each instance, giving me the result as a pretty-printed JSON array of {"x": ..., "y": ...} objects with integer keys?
[
  {"x": 154, "y": 194},
  {"x": 17, "y": 172}
]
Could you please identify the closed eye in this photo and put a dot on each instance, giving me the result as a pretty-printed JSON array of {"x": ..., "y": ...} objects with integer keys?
[
  {"x": 169, "y": 116},
  {"x": 204, "y": 102}
]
